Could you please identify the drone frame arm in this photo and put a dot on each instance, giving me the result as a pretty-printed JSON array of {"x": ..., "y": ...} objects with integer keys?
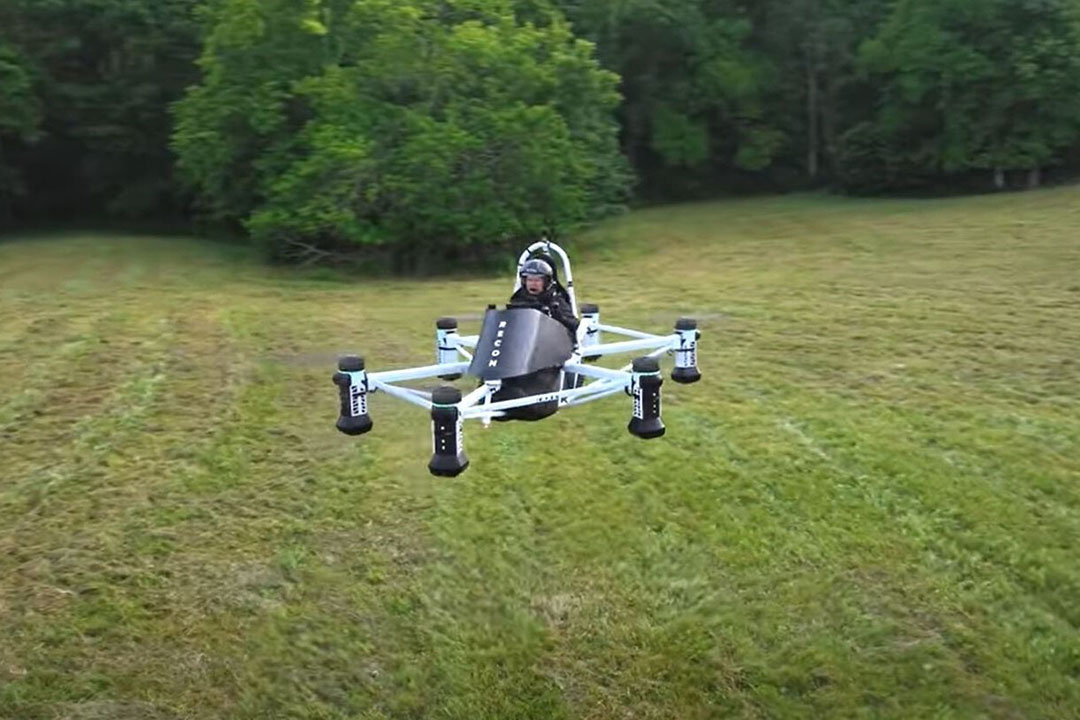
[
  {"x": 480, "y": 394},
  {"x": 564, "y": 397},
  {"x": 598, "y": 395},
  {"x": 407, "y": 394},
  {"x": 418, "y": 373},
  {"x": 655, "y": 342},
  {"x": 616, "y": 330},
  {"x": 597, "y": 372},
  {"x": 654, "y": 354},
  {"x": 384, "y": 381}
]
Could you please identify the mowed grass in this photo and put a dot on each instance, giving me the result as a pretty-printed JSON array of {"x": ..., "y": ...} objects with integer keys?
[{"x": 869, "y": 507}]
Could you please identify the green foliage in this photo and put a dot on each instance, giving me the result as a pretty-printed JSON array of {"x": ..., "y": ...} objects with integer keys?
[
  {"x": 695, "y": 90},
  {"x": 681, "y": 140},
  {"x": 253, "y": 53},
  {"x": 814, "y": 95},
  {"x": 20, "y": 115},
  {"x": 107, "y": 70},
  {"x": 417, "y": 126},
  {"x": 19, "y": 108},
  {"x": 462, "y": 124},
  {"x": 974, "y": 85}
]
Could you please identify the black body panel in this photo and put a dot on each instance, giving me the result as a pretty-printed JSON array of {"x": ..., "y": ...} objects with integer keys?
[{"x": 519, "y": 341}]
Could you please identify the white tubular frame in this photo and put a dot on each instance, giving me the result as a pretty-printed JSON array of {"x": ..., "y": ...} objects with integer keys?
[
  {"x": 406, "y": 394},
  {"x": 549, "y": 248},
  {"x": 477, "y": 404},
  {"x": 627, "y": 333},
  {"x": 479, "y": 395},
  {"x": 592, "y": 371},
  {"x": 599, "y": 395},
  {"x": 656, "y": 342},
  {"x": 564, "y": 397},
  {"x": 389, "y": 377},
  {"x": 654, "y": 354}
]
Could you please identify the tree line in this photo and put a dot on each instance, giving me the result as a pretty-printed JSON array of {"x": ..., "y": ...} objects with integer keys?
[{"x": 450, "y": 127}]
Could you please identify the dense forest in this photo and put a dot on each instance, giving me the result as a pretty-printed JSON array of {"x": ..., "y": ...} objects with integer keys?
[{"x": 455, "y": 126}]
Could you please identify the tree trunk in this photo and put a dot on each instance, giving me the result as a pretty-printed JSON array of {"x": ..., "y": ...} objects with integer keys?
[
  {"x": 813, "y": 140},
  {"x": 828, "y": 128},
  {"x": 635, "y": 136},
  {"x": 1034, "y": 177},
  {"x": 999, "y": 178}
]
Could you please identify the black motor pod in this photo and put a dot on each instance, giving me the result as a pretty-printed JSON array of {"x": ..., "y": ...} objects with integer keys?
[
  {"x": 350, "y": 363},
  {"x": 686, "y": 370},
  {"x": 449, "y": 459},
  {"x": 446, "y": 351},
  {"x": 646, "y": 423},
  {"x": 352, "y": 386}
]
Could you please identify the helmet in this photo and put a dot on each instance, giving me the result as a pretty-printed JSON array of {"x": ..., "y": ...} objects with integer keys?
[{"x": 538, "y": 267}]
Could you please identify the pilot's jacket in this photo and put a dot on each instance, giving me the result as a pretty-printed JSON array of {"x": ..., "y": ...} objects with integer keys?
[{"x": 550, "y": 303}]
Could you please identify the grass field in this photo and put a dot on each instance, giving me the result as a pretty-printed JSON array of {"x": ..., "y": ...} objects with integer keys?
[{"x": 869, "y": 507}]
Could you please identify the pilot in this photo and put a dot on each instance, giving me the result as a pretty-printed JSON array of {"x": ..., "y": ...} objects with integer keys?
[{"x": 538, "y": 290}]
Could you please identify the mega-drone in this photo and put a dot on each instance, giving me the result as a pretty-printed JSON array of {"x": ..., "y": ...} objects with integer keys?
[{"x": 528, "y": 365}]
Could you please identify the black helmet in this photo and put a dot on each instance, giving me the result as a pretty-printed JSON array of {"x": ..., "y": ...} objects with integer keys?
[{"x": 536, "y": 266}]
